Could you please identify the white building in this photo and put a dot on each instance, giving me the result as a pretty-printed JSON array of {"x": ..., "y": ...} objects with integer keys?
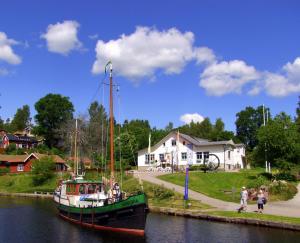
[{"x": 182, "y": 150}]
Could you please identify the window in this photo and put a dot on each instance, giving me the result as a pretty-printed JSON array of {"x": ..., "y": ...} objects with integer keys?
[
  {"x": 161, "y": 157},
  {"x": 20, "y": 167},
  {"x": 183, "y": 142},
  {"x": 228, "y": 154},
  {"x": 82, "y": 189},
  {"x": 183, "y": 156},
  {"x": 206, "y": 155},
  {"x": 147, "y": 158},
  {"x": 152, "y": 157},
  {"x": 91, "y": 189},
  {"x": 164, "y": 144},
  {"x": 199, "y": 157},
  {"x": 173, "y": 142}
]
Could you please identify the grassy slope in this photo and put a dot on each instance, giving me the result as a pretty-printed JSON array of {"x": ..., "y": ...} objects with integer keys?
[
  {"x": 23, "y": 183},
  {"x": 214, "y": 184},
  {"x": 222, "y": 185}
]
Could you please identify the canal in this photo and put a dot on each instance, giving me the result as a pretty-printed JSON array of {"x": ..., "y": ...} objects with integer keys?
[{"x": 35, "y": 220}]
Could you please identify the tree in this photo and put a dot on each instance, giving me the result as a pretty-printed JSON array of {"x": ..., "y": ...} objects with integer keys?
[
  {"x": 21, "y": 119},
  {"x": 53, "y": 111},
  {"x": 42, "y": 170},
  {"x": 280, "y": 139},
  {"x": 298, "y": 115},
  {"x": 247, "y": 124},
  {"x": 97, "y": 128},
  {"x": 169, "y": 127}
]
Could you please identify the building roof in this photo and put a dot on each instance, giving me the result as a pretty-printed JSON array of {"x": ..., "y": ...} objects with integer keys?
[{"x": 24, "y": 157}]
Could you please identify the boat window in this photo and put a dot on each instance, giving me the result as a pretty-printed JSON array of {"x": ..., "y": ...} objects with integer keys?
[
  {"x": 82, "y": 189},
  {"x": 91, "y": 189}
]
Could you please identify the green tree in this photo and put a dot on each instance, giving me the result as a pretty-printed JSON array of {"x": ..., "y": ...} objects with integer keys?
[
  {"x": 247, "y": 124},
  {"x": 21, "y": 119},
  {"x": 280, "y": 139},
  {"x": 42, "y": 170},
  {"x": 53, "y": 111},
  {"x": 97, "y": 128},
  {"x": 298, "y": 115},
  {"x": 169, "y": 127}
]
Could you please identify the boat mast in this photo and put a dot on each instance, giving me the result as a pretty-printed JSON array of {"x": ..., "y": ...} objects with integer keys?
[
  {"x": 75, "y": 151},
  {"x": 111, "y": 112}
]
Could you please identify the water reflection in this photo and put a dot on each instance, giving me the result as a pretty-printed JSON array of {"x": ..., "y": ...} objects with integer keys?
[{"x": 36, "y": 220}]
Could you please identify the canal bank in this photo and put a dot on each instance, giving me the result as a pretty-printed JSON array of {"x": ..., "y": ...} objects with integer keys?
[{"x": 208, "y": 214}]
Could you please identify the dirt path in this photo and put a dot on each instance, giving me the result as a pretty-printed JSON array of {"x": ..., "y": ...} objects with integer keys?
[{"x": 289, "y": 208}]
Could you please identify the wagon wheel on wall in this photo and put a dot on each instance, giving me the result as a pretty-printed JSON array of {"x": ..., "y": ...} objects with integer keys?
[{"x": 212, "y": 163}]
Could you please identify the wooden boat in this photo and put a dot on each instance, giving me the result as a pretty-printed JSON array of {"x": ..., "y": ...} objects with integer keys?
[{"x": 91, "y": 204}]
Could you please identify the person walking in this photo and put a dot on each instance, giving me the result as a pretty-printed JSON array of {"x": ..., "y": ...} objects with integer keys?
[
  {"x": 260, "y": 201},
  {"x": 244, "y": 198}
]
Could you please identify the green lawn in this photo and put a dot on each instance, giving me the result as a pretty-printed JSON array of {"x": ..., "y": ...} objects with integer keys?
[
  {"x": 266, "y": 217},
  {"x": 222, "y": 185},
  {"x": 23, "y": 183}
]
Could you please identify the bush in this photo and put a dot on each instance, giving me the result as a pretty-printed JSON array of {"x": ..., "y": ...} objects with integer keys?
[
  {"x": 160, "y": 192},
  {"x": 285, "y": 176},
  {"x": 284, "y": 189},
  {"x": 42, "y": 170},
  {"x": 4, "y": 171},
  {"x": 258, "y": 182}
]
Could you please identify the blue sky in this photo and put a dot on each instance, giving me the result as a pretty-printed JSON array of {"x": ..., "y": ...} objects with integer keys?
[{"x": 174, "y": 60}]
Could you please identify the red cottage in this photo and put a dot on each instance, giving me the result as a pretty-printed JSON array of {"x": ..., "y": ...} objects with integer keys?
[{"x": 23, "y": 163}]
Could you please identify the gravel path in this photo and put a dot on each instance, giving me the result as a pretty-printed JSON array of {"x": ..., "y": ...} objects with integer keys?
[{"x": 289, "y": 208}]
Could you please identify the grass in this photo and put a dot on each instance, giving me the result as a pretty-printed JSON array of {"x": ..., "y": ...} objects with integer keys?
[
  {"x": 225, "y": 186},
  {"x": 266, "y": 217},
  {"x": 222, "y": 185},
  {"x": 22, "y": 183}
]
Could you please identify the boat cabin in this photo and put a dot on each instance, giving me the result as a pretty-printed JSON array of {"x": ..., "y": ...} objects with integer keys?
[{"x": 82, "y": 187}]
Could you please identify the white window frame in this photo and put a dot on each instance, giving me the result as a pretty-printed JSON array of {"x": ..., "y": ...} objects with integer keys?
[
  {"x": 173, "y": 142},
  {"x": 184, "y": 154},
  {"x": 20, "y": 167},
  {"x": 199, "y": 157}
]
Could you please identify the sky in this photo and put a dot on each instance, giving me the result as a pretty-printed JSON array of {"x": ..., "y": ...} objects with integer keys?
[{"x": 174, "y": 61}]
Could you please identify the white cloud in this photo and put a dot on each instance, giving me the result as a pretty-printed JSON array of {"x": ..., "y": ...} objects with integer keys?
[
  {"x": 227, "y": 77},
  {"x": 6, "y": 52},
  {"x": 145, "y": 51},
  {"x": 3, "y": 72},
  {"x": 204, "y": 55},
  {"x": 62, "y": 37},
  {"x": 188, "y": 118}
]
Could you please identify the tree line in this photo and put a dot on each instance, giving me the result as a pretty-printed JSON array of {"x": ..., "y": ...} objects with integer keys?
[{"x": 277, "y": 140}]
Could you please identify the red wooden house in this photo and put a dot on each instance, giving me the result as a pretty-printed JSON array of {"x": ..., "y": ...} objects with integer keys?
[{"x": 23, "y": 163}]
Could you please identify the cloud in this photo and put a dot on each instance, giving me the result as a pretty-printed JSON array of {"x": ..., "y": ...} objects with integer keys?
[
  {"x": 146, "y": 51},
  {"x": 227, "y": 77},
  {"x": 188, "y": 118},
  {"x": 6, "y": 52},
  {"x": 62, "y": 37},
  {"x": 204, "y": 55}
]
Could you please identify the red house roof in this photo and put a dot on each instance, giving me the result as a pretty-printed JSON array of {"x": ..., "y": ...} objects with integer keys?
[{"x": 25, "y": 157}]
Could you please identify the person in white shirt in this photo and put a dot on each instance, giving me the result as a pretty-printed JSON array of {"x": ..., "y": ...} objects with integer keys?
[{"x": 244, "y": 198}]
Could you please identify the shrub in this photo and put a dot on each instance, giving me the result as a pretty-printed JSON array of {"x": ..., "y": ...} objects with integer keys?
[
  {"x": 160, "y": 192},
  {"x": 285, "y": 176},
  {"x": 42, "y": 170},
  {"x": 258, "y": 182},
  {"x": 284, "y": 189},
  {"x": 4, "y": 171}
]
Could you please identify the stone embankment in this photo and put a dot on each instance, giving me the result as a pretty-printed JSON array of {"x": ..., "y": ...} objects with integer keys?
[
  {"x": 32, "y": 195},
  {"x": 207, "y": 216}
]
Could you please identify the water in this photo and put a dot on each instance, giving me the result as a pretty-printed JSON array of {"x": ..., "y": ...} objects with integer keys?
[{"x": 36, "y": 220}]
